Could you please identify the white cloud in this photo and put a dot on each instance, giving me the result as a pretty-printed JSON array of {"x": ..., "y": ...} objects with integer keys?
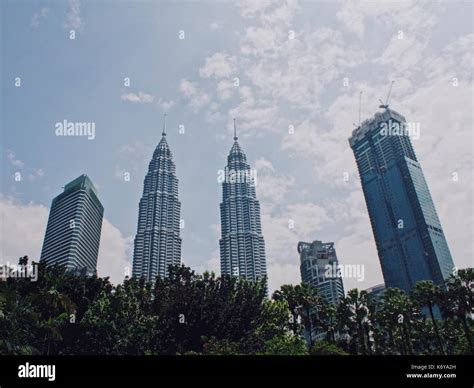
[
  {"x": 73, "y": 16},
  {"x": 139, "y": 97},
  {"x": 218, "y": 25},
  {"x": 282, "y": 273},
  {"x": 11, "y": 156},
  {"x": 225, "y": 89},
  {"x": 133, "y": 159},
  {"x": 284, "y": 227},
  {"x": 39, "y": 16},
  {"x": 197, "y": 99},
  {"x": 455, "y": 61},
  {"x": 407, "y": 53},
  {"x": 26, "y": 172},
  {"x": 284, "y": 223},
  {"x": 261, "y": 40},
  {"x": 356, "y": 245},
  {"x": 219, "y": 65},
  {"x": 281, "y": 15},
  {"x": 250, "y": 8},
  {"x": 165, "y": 105},
  {"x": 411, "y": 16},
  {"x": 115, "y": 252},
  {"x": 22, "y": 229},
  {"x": 272, "y": 187},
  {"x": 255, "y": 116}
]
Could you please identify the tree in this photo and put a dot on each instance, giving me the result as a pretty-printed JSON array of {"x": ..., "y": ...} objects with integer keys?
[
  {"x": 397, "y": 316},
  {"x": 354, "y": 321},
  {"x": 288, "y": 344},
  {"x": 427, "y": 294},
  {"x": 458, "y": 303},
  {"x": 324, "y": 348},
  {"x": 188, "y": 313},
  {"x": 302, "y": 300}
]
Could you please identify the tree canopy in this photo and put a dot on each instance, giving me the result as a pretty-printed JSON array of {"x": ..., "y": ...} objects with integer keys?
[{"x": 188, "y": 313}]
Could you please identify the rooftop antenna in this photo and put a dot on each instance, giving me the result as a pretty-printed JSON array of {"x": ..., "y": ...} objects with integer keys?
[
  {"x": 382, "y": 105},
  {"x": 235, "y": 131},
  {"x": 164, "y": 125}
]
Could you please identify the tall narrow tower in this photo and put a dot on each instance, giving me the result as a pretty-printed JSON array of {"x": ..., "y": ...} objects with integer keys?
[
  {"x": 242, "y": 246},
  {"x": 158, "y": 243},
  {"x": 410, "y": 240}
]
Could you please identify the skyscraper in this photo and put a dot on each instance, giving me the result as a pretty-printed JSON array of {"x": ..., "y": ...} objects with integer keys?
[
  {"x": 242, "y": 246},
  {"x": 410, "y": 240},
  {"x": 73, "y": 232},
  {"x": 158, "y": 242},
  {"x": 318, "y": 266}
]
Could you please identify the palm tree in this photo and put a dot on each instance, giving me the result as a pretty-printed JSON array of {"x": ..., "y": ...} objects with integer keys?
[
  {"x": 459, "y": 301},
  {"x": 353, "y": 316},
  {"x": 427, "y": 294},
  {"x": 396, "y": 316},
  {"x": 301, "y": 299},
  {"x": 324, "y": 315}
]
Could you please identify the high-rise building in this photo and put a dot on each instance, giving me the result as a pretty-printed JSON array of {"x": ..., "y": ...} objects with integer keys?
[
  {"x": 73, "y": 232},
  {"x": 319, "y": 268},
  {"x": 376, "y": 292},
  {"x": 158, "y": 242},
  {"x": 410, "y": 240},
  {"x": 242, "y": 246}
]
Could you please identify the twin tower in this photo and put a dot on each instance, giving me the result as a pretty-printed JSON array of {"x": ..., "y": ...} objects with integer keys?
[{"x": 158, "y": 242}]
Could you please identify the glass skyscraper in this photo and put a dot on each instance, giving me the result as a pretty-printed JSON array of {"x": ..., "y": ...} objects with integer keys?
[
  {"x": 242, "y": 247},
  {"x": 158, "y": 242},
  {"x": 410, "y": 240},
  {"x": 315, "y": 260},
  {"x": 74, "y": 225}
]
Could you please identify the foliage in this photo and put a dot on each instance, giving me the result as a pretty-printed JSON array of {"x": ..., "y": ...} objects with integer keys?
[
  {"x": 187, "y": 313},
  {"x": 325, "y": 348}
]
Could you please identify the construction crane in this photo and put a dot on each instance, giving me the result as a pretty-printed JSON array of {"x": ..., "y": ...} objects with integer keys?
[
  {"x": 360, "y": 107},
  {"x": 385, "y": 106}
]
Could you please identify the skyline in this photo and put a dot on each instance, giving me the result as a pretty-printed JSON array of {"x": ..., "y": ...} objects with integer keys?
[{"x": 300, "y": 175}]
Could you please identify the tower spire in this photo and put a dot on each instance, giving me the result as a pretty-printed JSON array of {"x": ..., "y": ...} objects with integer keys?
[
  {"x": 164, "y": 125},
  {"x": 235, "y": 131}
]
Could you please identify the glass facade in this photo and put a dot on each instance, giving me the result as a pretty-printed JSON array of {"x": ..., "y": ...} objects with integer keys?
[
  {"x": 410, "y": 240},
  {"x": 74, "y": 226}
]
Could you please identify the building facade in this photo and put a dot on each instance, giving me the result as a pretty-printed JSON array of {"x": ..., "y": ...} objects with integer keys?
[
  {"x": 74, "y": 226},
  {"x": 242, "y": 246},
  {"x": 410, "y": 240},
  {"x": 157, "y": 243},
  {"x": 318, "y": 267},
  {"x": 376, "y": 292}
]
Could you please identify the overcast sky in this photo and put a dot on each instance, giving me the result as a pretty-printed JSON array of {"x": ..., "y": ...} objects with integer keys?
[{"x": 275, "y": 66}]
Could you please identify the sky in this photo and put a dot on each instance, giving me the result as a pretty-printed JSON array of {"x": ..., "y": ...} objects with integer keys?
[{"x": 290, "y": 72}]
